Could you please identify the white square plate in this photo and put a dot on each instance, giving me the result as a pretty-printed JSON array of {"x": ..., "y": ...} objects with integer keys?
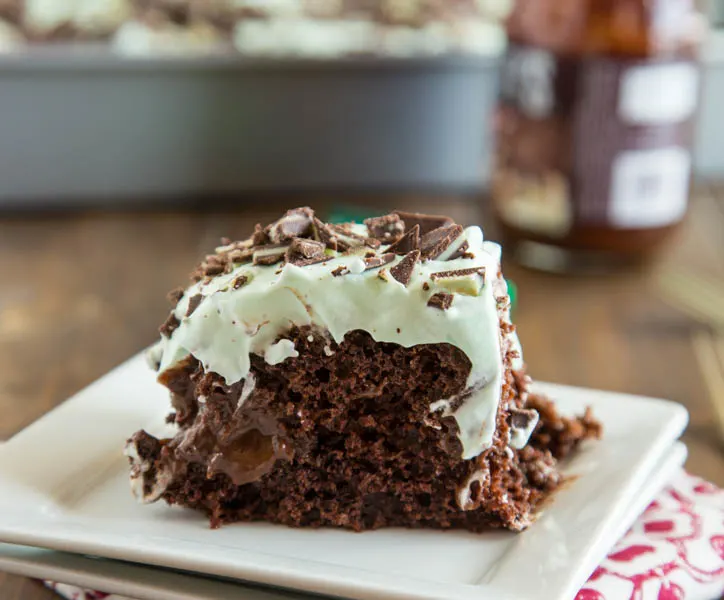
[
  {"x": 150, "y": 583},
  {"x": 63, "y": 486}
]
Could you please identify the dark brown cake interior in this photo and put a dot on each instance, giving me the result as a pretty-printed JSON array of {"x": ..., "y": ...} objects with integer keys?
[{"x": 335, "y": 438}]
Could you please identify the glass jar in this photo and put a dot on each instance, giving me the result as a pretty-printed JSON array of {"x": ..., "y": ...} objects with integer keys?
[{"x": 594, "y": 129}]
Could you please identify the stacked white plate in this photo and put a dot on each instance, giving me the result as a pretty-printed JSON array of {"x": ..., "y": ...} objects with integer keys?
[{"x": 64, "y": 496}]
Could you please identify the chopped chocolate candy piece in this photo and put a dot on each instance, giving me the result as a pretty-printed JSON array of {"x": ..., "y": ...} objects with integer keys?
[
  {"x": 426, "y": 222},
  {"x": 214, "y": 265},
  {"x": 426, "y": 286},
  {"x": 381, "y": 260},
  {"x": 408, "y": 242},
  {"x": 269, "y": 255},
  {"x": 522, "y": 423},
  {"x": 175, "y": 295},
  {"x": 463, "y": 281},
  {"x": 404, "y": 269},
  {"x": 441, "y": 301},
  {"x": 373, "y": 243},
  {"x": 460, "y": 251},
  {"x": 383, "y": 275},
  {"x": 321, "y": 232},
  {"x": 295, "y": 223},
  {"x": 346, "y": 238},
  {"x": 302, "y": 248},
  {"x": 194, "y": 302},
  {"x": 240, "y": 281},
  {"x": 434, "y": 243},
  {"x": 388, "y": 229},
  {"x": 238, "y": 256},
  {"x": 259, "y": 237},
  {"x": 169, "y": 325},
  {"x": 339, "y": 271}
]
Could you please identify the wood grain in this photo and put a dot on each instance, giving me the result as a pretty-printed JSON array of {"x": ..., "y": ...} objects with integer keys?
[{"x": 82, "y": 292}]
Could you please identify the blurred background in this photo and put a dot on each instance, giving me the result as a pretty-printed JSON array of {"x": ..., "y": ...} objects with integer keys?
[{"x": 586, "y": 135}]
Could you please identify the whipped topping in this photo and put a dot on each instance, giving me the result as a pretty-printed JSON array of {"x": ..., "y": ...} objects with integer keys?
[
  {"x": 230, "y": 322},
  {"x": 92, "y": 16}
]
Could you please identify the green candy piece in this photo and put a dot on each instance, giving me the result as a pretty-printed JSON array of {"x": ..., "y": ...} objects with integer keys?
[{"x": 512, "y": 292}]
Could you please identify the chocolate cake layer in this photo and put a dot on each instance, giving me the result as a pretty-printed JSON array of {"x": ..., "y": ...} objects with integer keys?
[{"x": 289, "y": 411}]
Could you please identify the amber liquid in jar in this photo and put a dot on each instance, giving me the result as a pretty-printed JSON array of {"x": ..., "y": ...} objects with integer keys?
[{"x": 594, "y": 129}]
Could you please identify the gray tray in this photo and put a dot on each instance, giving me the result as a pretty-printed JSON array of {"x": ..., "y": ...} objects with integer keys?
[{"x": 83, "y": 126}]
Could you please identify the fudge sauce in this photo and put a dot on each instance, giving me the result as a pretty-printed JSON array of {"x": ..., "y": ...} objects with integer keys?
[{"x": 594, "y": 128}]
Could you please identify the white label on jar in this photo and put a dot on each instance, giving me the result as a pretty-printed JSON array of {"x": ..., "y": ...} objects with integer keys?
[
  {"x": 649, "y": 188},
  {"x": 658, "y": 94}
]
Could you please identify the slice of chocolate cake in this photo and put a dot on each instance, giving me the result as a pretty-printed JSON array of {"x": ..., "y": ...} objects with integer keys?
[{"x": 358, "y": 376}]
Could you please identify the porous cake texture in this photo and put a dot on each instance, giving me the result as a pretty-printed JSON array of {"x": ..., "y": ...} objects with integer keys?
[{"x": 359, "y": 376}]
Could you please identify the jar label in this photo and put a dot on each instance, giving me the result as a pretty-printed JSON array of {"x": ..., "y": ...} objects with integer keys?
[{"x": 593, "y": 141}]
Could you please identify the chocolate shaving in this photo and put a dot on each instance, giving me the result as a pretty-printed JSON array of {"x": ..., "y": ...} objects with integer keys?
[
  {"x": 441, "y": 301},
  {"x": 339, "y": 271},
  {"x": 404, "y": 269},
  {"x": 408, "y": 242},
  {"x": 426, "y": 222},
  {"x": 388, "y": 228},
  {"x": 458, "y": 273},
  {"x": 295, "y": 223},
  {"x": 374, "y": 262},
  {"x": 169, "y": 325},
  {"x": 434, "y": 243},
  {"x": 175, "y": 295},
  {"x": 239, "y": 281},
  {"x": 194, "y": 302}
]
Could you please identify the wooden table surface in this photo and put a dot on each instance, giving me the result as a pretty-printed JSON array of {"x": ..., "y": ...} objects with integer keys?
[{"x": 81, "y": 292}]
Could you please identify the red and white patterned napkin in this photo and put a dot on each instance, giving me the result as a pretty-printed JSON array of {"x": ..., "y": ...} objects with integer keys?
[{"x": 675, "y": 551}]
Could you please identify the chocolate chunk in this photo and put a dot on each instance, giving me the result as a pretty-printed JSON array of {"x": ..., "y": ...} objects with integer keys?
[
  {"x": 346, "y": 238},
  {"x": 194, "y": 302},
  {"x": 175, "y": 295},
  {"x": 214, "y": 265},
  {"x": 169, "y": 325},
  {"x": 322, "y": 233},
  {"x": 374, "y": 262},
  {"x": 259, "y": 237},
  {"x": 387, "y": 229},
  {"x": 408, "y": 242},
  {"x": 426, "y": 222},
  {"x": 295, "y": 223},
  {"x": 426, "y": 286},
  {"x": 463, "y": 281},
  {"x": 240, "y": 281},
  {"x": 339, "y": 271},
  {"x": 522, "y": 418},
  {"x": 301, "y": 248},
  {"x": 434, "y": 243},
  {"x": 404, "y": 269},
  {"x": 441, "y": 301},
  {"x": 461, "y": 252},
  {"x": 239, "y": 256},
  {"x": 458, "y": 273},
  {"x": 269, "y": 255}
]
